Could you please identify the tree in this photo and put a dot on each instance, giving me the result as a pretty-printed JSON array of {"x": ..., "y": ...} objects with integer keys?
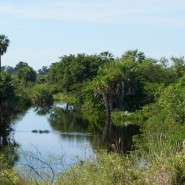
[
  {"x": 178, "y": 66},
  {"x": 107, "y": 56},
  {"x": 113, "y": 83},
  {"x": 42, "y": 95},
  {"x": 43, "y": 71},
  {"x": 135, "y": 55},
  {"x": 162, "y": 122},
  {"x": 4, "y": 43},
  {"x": 20, "y": 65},
  {"x": 72, "y": 71},
  {"x": 27, "y": 74},
  {"x": 7, "y": 100},
  {"x": 8, "y": 69}
]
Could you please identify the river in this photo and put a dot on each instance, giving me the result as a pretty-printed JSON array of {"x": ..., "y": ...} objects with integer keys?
[
  {"x": 52, "y": 139},
  {"x": 48, "y": 140}
]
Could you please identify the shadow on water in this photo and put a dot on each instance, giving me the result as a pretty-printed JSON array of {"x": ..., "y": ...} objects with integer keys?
[
  {"x": 66, "y": 119},
  {"x": 42, "y": 110},
  {"x": 117, "y": 138},
  {"x": 114, "y": 138},
  {"x": 8, "y": 145},
  {"x": 67, "y": 127}
]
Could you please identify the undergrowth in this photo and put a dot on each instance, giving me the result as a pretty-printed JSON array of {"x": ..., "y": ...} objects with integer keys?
[{"x": 109, "y": 168}]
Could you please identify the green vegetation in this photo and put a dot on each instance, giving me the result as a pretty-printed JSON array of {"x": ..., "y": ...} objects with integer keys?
[
  {"x": 130, "y": 90},
  {"x": 117, "y": 169},
  {"x": 63, "y": 97},
  {"x": 4, "y": 43},
  {"x": 111, "y": 168}
]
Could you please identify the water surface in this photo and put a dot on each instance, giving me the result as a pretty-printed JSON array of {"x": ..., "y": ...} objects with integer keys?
[
  {"x": 62, "y": 146},
  {"x": 48, "y": 140}
]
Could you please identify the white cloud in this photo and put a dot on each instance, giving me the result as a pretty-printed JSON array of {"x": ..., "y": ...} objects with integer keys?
[
  {"x": 19, "y": 21},
  {"x": 152, "y": 12}
]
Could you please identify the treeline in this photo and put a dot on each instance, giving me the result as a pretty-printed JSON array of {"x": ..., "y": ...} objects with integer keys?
[
  {"x": 131, "y": 89},
  {"x": 99, "y": 83}
]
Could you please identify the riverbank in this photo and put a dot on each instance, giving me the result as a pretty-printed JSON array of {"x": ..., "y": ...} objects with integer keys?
[
  {"x": 111, "y": 168},
  {"x": 61, "y": 97}
]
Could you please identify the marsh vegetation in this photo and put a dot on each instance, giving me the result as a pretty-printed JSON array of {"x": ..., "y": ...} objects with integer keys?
[{"x": 128, "y": 111}]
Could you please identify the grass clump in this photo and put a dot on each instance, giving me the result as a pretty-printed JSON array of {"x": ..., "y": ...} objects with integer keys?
[
  {"x": 112, "y": 168},
  {"x": 8, "y": 175},
  {"x": 107, "y": 169},
  {"x": 61, "y": 97}
]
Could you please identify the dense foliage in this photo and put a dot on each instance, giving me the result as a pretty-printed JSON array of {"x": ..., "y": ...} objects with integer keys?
[{"x": 130, "y": 90}]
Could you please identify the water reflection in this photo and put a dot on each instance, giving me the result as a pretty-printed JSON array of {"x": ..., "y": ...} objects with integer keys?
[
  {"x": 117, "y": 138},
  {"x": 64, "y": 133},
  {"x": 9, "y": 112},
  {"x": 66, "y": 136},
  {"x": 42, "y": 110},
  {"x": 66, "y": 119}
]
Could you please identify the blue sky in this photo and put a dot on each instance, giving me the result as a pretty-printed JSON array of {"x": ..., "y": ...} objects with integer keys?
[{"x": 41, "y": 31}]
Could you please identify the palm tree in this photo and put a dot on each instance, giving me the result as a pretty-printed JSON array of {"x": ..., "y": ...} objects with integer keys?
[
  {"x": 135, "y": 55},
  {"x": 109, "y": 84},
  {"x": 4, "y": 43}
]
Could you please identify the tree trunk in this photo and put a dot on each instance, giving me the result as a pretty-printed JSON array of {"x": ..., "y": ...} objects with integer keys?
[
  {"x": 108, "y": 107},
  {"x": 4, "y": 140},
  {"x": 106, "y": 136},
  {"x": 0, "y": 62},
  {"x": 120, "y": 94}
]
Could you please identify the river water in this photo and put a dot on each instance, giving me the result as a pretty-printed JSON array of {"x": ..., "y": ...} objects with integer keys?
[
  {"x": 53, "y": 140},
  {"x": 48, "y": 140}
]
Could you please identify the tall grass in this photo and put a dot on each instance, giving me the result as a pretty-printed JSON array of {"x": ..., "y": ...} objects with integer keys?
[
  {"x": 158, "y": 159},
  {"x": 115, "y": 169},
  {"x": 107, "y": 169},
  {"x": 61, "y": 97}
]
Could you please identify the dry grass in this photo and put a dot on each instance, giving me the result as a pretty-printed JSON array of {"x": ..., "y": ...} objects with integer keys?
[{"x": 112, "y": 168}]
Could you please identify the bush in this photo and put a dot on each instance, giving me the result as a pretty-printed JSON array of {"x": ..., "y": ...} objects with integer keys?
[{"x": 41, "y": 94}]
